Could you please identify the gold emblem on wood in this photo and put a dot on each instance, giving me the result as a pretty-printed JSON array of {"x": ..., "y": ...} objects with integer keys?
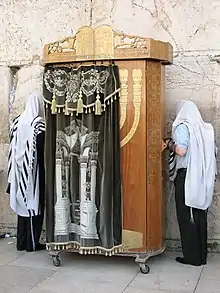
[
  {"x": 123, "y": 96},
  {"x": 137, "y": 97},
  {"x": 131, "y": 240}
]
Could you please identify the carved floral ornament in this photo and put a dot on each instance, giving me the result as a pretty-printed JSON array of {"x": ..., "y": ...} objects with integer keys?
[{"x": 103, "y": 43}]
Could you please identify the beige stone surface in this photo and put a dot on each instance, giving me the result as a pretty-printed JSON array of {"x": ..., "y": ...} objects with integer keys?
[
  {"x": 28, "y": 24},
  {"x": 5, "y": 83},
  {"x": 7, "y": 217},
  {"x": 29, "y": 79},
  {"x": 191, "y": 26}
]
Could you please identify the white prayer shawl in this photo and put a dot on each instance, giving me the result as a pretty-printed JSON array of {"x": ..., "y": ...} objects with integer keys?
[
  {"x": 201, "y": 169},
  {"x": 23, "y": 171}
]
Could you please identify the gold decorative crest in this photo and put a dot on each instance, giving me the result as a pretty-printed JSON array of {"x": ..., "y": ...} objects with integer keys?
[{"x": 103, "y": 43}]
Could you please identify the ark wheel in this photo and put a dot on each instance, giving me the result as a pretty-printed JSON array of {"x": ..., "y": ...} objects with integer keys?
[
  {"x": 144, "y": 269},
  {"x": 56, "y": 261}
]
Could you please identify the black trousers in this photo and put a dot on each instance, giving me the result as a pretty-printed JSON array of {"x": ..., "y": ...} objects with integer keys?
[
  {"x": 193, "y": 233},
  {"x": 29, "y": 232}
]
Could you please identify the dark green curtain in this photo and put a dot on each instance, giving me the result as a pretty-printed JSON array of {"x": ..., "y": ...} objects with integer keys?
[{"x": 83, "y": 180}]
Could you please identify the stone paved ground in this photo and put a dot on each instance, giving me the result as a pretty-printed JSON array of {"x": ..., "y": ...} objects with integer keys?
[{"x": 35, "y": 273}]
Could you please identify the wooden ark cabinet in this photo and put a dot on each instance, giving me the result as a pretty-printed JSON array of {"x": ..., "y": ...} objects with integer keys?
[{"x": 141, "y": 62}]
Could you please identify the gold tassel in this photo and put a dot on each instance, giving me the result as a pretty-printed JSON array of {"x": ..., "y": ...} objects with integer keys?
[
  {"x": 98, "y": 106},
  {"x": 66, "y": 112},
  {"x": 80, "y": 104},
  {"x": 54, "y": 105}
]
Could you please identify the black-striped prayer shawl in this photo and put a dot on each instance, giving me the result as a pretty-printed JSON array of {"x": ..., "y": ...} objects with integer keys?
[{"x": 29, "y": 164}]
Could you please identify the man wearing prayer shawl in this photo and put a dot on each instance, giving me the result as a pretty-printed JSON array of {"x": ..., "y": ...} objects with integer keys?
[
  {"x": 26, "y": 174},
  {"x": 192, "y": 155}
]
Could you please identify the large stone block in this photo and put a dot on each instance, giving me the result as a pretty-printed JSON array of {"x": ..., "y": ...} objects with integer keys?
[
  {"x": 188, "y": 25},
  {"x": 29, "y": 79},
  {"x": 27, "y": 25},
  {"x": 7, "y": 216},
  {"x": 5, "y": 83}
]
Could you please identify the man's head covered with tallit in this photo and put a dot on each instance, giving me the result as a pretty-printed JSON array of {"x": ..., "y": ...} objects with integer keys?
[{"x": 201, "y": 170}]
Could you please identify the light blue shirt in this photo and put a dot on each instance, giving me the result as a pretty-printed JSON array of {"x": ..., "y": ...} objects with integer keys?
[{"x": 181, "y": 138}]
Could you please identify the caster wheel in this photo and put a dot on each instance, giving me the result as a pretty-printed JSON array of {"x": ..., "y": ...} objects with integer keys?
[
  {"x": 144, "y": 269},
  {"x": 56, "y": 261}
]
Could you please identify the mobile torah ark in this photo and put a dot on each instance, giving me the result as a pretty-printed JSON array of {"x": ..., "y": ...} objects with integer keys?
[{"x": 104, "y": 93}]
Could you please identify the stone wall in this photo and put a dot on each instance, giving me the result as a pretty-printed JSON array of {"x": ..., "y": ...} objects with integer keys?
[{"x": 192, "y": 26}]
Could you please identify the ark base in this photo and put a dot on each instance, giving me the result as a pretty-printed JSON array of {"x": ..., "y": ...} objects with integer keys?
[{"x": 140, "y": 258}]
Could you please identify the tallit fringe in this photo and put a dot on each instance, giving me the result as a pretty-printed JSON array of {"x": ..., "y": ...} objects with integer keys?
[
  {"x": 85, "y": 250},
  {"x": 172, "y": 162},
  {"x": 191, "y": 216}
]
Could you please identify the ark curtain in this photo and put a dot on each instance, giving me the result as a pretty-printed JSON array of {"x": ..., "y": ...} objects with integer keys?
[{"x": 83, "y": 180}]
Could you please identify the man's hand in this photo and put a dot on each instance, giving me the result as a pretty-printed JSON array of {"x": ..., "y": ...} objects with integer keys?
[
  {"x": 164, "y": 146},
  {"x": 168, "y": 142}
]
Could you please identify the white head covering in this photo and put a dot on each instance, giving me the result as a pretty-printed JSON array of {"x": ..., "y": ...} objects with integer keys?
[
  {"x": 34, "y": 108},
  {"x": 188, "y": 111},
  {"x": 201, "y": 170}
]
